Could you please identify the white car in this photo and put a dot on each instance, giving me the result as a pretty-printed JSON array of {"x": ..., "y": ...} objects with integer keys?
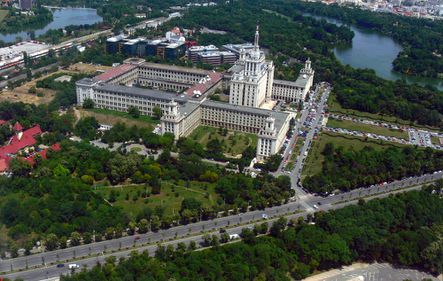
[
  {"x": 234, "y": 236},
  {"x": 73, "y": 266},
  {"x": 264, "y": 216},
  {"x": 315, "y": 207}
]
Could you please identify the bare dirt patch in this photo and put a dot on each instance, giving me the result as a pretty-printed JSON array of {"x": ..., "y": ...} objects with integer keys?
[{"x": 88, "y": 68}]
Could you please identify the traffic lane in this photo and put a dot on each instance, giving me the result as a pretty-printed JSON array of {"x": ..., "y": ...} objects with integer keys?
[
  {"x": 125, "y": 242},
  {"x": 364, "y": 192},
  {"x": 128, "y": 241},
  {"x": 53, "y": 271}
]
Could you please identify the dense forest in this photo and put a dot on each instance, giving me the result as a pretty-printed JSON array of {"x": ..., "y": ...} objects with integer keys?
[
  {"x": 404, "y": 230},
  {"x": 347, "y": 169},
  {"x": 304, "y": 37},
  {"x": 421, "y": 39}
]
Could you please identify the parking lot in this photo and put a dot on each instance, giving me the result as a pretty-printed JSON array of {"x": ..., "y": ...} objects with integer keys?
[{"x": 371, "y": 272}]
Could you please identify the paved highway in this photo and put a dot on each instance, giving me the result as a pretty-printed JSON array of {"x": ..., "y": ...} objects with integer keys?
[
  {"x": 178, "y": 234},
  {"x": 41, "y": 265}
]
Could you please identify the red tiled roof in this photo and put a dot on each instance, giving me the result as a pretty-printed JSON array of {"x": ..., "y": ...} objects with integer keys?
[
  {"x": 16, "y": 144},
  {"x": 42, "y": 153},
  {"x": 27, "y": 138},
  {"x": 18, "y": 127},
  {"x": 215, "y": 77},
  {"x": 3, "y": 122},
  {"x": 56, "y": 147},
  {"x": 114, "y": 72},
  {"x": 4, "y": 164}
]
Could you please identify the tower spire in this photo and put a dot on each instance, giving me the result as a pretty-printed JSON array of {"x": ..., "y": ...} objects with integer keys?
[{"x": 257, "y": 37}]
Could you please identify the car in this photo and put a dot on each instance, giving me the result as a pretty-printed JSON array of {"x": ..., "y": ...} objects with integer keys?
[
  {"x": 137, "y": 237},
  {"x": 264, "y": 216},
  {"x": 315, "y": 206},
  {"x": 73, "y": 266},
  {"x": 234, "y": 236},
  {"x": 222, "y": 230},
  {"x": 60, "y": 265}
]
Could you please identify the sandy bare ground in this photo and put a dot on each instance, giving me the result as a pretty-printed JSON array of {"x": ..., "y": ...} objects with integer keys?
[
  {"x": 88, "y": 68},
  {"x": 21, "y": 93}
]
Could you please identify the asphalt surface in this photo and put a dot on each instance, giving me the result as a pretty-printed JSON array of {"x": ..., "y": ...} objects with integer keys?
[
  {"x": 295, "y": 174},
  {"x": 372, "y": 272},
  {"x": 43, "y": 265},
  {"x": 23, "y": 76}
]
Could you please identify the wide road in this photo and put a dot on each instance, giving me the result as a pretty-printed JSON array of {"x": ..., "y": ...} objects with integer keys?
[
  {"x": 295, "y": 173},
  {"x": 246, "y": 219},
  {"x": 179, "y": 233}
]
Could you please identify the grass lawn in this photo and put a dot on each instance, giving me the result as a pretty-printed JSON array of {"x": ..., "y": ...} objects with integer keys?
[
  {"x": 170, "y": 198},
  {"x": 111, "y": 117},
  {"x": 315, "y": 159},
  {"x": 435, "y": 140},
  {"x": 346, "y": 124},
  {"x": 234, "y": 142},
  {"x": 295, "y": 153},
  {"x": 3, "y": 14},
  {"x": 335, "y": 107}
]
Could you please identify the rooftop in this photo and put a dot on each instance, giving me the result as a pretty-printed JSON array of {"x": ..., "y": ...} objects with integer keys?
[
  {"x": 176, "y": 68},
  {"x": 206, "y": 84},
  {"x": 114, "y": 72},
  {"x": 140, "y": 92},
  {"x": 29, "y": 47},
  {"x": 280, "y": 117}
]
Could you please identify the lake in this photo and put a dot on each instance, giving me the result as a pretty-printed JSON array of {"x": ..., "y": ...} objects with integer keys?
[
  {"x": 62, "y": 18},
  {"x": 373, "y": 50}
]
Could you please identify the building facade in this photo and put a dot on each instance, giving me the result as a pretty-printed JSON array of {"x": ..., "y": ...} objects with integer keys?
[
  {"x": 252, "y": 79},
  {"x": 182, "y": 95}
]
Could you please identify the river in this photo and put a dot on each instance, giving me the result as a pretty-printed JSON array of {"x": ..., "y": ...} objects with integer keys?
[
  {"x": 372, "y": 50},
  {"x": 62, "y": 18}
]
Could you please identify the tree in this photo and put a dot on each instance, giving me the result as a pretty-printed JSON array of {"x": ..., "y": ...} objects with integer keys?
[
  {"x": 191, "y": 204},
  {"x": 75, "y": 238},
  {"x": 207, "y": 239},
  {"x": 51, "y": 242},
  {"x": 86, "y": 128},
  {"x": 28, "y": 74},
  {"x": 60, "y": 171},
  {"x": 278, "y": 226},
  {"x": 157, "y": 111},
  {"x": 247, "y": 235},
  {"x": 134, "y": 112},
  {"x": 192, "y": 246},
  {"x": 63, "y": 242},
  {"x": 109, "y": 233},
  {"x": 155, "y": 223},
  {"x": 87, "y": 238},
  {"x": 19, "y": 167},
  {"x": 88, "y": 104},
  {"x": 143, "y": 226},
  {"x": 131, "y": 227},
  {"x": 215, "y": 241}
]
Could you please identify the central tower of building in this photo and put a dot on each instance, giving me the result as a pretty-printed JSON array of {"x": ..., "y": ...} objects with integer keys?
[{"x": 251, "y": 82}]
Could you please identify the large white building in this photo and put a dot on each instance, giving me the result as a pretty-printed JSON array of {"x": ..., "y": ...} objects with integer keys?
[
  {"x": 181, "y": 94},
  {"x": 252, "y": 78}
]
